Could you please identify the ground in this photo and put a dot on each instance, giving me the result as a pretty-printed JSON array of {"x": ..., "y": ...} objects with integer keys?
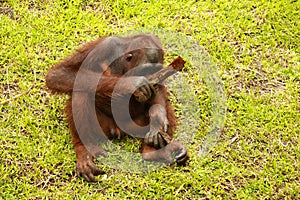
[{"x": 255, "y": 48}]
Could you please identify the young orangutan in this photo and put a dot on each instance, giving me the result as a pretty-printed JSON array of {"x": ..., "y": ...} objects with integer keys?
[{"x": 111, "y": 96}]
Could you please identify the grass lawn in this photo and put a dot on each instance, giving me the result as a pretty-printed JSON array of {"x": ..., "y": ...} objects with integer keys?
[{"x": 255, "y": 48}]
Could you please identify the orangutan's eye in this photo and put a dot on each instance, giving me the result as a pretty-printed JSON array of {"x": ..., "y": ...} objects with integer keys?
[{"x": 129, "y": 57}]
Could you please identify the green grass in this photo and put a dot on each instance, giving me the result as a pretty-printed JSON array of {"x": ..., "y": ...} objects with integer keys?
[{"x": 255, "y": 45}]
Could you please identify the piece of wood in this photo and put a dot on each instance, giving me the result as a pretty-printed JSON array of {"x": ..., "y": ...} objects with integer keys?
[{"x": 157, "y": 78}]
